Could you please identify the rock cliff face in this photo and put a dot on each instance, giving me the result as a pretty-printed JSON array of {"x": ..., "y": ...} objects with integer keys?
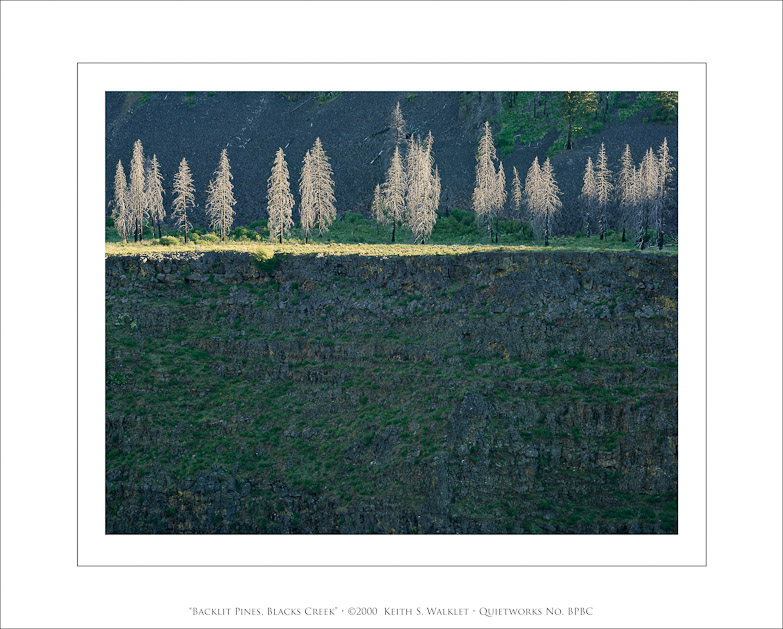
[{"x": 502, "y": 392}]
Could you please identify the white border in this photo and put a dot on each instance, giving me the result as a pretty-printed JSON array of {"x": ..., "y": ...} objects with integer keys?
[{"x": 688, "y": 547}]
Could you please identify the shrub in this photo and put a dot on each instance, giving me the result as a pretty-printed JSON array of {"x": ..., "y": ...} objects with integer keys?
[
  {"x": 169, "y": 240},
  {"x": 242, "y": 233},
  {"x": 266, "y": 260},
  {"x": 210, "y": 238}
]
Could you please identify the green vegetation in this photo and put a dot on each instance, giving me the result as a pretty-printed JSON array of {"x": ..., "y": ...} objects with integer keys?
[
  {"x": 225, "y": 386},
  {"x": 516, "y": 124},
  {"x": 644, "y": 100},
  {"x": 527, "y": 117},
  {"x": 456, "y": 232},
  {"x": 666, "y": 106},
  {"x": 326, "y": 97}
]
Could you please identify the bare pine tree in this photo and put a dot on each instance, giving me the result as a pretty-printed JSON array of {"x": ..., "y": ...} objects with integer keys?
[
  {"x": 648, "y": 205},
  {"x": 423, "y": 190},
  {"x": 410, "y": 159},
  {"x": 436, "y": 188},
  {"x": 307, "y": 197},
  {"x": 550, "y": 198},
  {"x": 626, "y": 187},
  {"x": 394, "y": 192},
  {"x": 665, "y": 171},
  {"x": 280, "y": 201},
  {"x": 120, "y": 211},
  {"x": 516, "y": 194},
  {"x": 397, "y": 125},
  {"x": 154, "y": 193},
  {"x": 184, "y": 197},
  {"x": 543, "y": 196},
  {"x": 589, "y": 193},
  {"x": 220, "y": 198},
  {"x": 604, "y": 187},
  {"x": 379, "y": 207},
  {"x": 533, "y": 190},
  {"x": 500, "y": 197},
  {"x": 136, "y": 198},
  {"x": 323, "y": 188},
  {"x": 485, "y": 192}
]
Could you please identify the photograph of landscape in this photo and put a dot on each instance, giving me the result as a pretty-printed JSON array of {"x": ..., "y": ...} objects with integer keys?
[{"x": 391, "y": 312}]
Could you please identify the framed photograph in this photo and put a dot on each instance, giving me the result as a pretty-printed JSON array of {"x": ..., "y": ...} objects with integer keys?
[{"x": 384, "y": 315}]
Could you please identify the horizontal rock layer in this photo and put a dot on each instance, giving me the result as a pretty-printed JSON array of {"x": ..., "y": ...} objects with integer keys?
[{"x": 497, "y": 392}]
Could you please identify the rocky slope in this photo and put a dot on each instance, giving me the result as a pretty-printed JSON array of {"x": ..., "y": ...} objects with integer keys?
[
  {"x": 354, "y": 128},
  {"x": 503, "y": 392}
]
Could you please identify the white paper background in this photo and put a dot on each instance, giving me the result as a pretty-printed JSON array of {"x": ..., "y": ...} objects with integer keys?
[
  {"x": 688, "y": 547},
  {"x": 41, "y": 44}
]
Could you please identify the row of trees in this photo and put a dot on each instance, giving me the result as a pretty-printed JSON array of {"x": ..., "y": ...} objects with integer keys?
[
  {"x": 541, "y": 194},
  {"x": 639, "y": 193},
  {"x": 411, "y": 191},
  {"x": 410, "y": 194},
  {"x": 139, "y": 202}
]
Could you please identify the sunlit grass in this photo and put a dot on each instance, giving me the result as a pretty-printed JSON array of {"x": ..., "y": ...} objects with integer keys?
[
  {"x": 454, "y": 234},
  {"x": 365, "y": 249}
]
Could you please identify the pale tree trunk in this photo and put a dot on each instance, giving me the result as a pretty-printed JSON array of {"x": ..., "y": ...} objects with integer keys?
[{"x": 546, "y": 230}]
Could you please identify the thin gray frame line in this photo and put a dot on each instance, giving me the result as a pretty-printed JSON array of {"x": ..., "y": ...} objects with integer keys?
[{"x": 706, "y": 476}]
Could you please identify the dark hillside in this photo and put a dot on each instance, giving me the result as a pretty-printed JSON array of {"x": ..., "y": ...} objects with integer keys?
[
  {"x": 354, "y": 129},
  {"x": 490, "y": 392}
]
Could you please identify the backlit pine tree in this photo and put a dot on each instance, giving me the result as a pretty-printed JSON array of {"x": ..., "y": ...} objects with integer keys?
[
  {"x": 154, "y": 193},
  {"x": 394, "y": 189},
  {"x": 486, "y": 193},
  {"x": 533, "y": 189},
  {"x": 307, "y": 201},
  {"x": 323, "y": 188},
  {"x": 136, "y": 198},
  {"x": 220, "y": 198},
  {"x": 604, "y": 187},
  {"x": 550, "y": 198},
  {"x": 436, "y": 188},
  {"x": 120, "y": 211},
  {"x": 398, "y": 125},
  {"x": 665, "y": 172},
  {"x": 516, "y": 194},
  {"x": 378, "y": 208},
  {"x": 423, "y": 190},
  {"x": 410, "y": 160},
  {"x": 500, "y": 197},
  {"x": 184, "y": 198},
  {"x": 280, "y": 201},
  {"x": 648, "y": 196},
  {"x": 543, "y": 197},
  {"x": 626, "y": 188},
  {"x": 589, "y": 193}
]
